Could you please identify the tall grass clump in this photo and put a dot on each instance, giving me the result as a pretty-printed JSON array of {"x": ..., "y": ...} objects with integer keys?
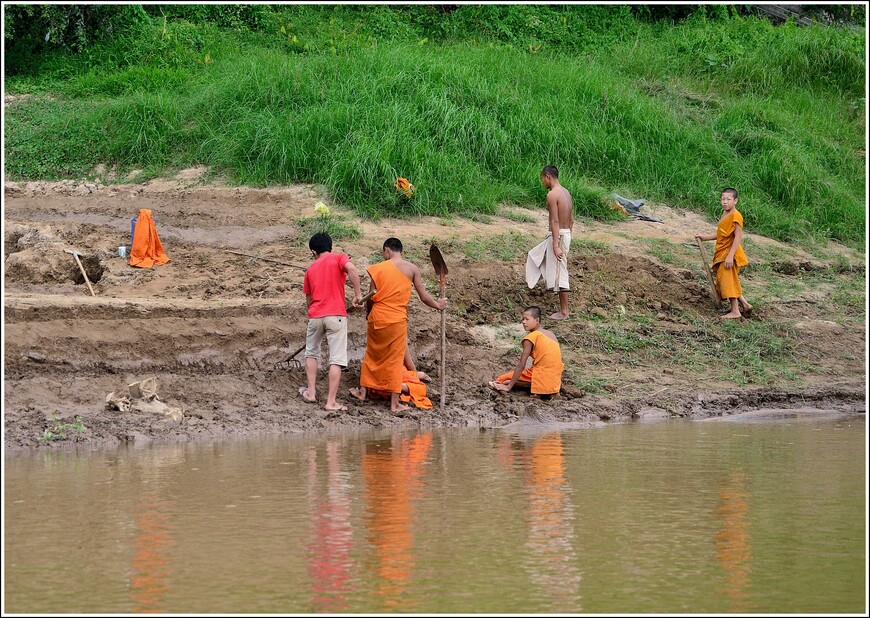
[{"x": 469, "y": 105}]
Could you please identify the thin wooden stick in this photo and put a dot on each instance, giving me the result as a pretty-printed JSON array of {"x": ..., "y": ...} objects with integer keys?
[
  {"x": 265, "y": 259},
  {"x": 714, "y": 289}
]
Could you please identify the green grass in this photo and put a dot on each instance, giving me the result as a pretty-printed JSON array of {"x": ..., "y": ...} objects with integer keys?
[
  {"x": 591, "y": 385},
  {"x": 585, "y": 246},
  {"x": 506, "y": 247},
  {"x": 517, "y": 216},
  {"x": 338, "y": 228},
  {"x": 750, "y": 352},
  {"x": 470, "y": 108},
  {"x": 672, "y": 253},
  {"x": 756, "y": 353},
  {"x": 58, "y": 430}
]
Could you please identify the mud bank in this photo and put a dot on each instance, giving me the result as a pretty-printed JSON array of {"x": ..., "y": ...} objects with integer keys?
[{"x": 213, "y": 327}]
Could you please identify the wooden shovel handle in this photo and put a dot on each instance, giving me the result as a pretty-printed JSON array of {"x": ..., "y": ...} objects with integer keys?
[
  {"x": 714, "y": 289},
  {"x": 443, "y": 348},
  {"x": 84, "y": 274}
]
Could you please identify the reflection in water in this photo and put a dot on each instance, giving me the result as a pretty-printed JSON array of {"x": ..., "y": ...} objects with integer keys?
[
  {"x": 659, "y": 517},
  {"x": 392, "y": 480},
  {"x": 150, "y": 565},
  {"x": 329, "y": 562},
  {"x": 732, "y": 540},
  {"x": 551, "y": 515}
]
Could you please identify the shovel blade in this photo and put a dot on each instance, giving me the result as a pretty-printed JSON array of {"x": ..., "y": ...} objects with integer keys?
[{"x": 437, "y": 261}]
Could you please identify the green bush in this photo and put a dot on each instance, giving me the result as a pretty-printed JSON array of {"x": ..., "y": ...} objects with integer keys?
[{"x": 469, "y": 104}]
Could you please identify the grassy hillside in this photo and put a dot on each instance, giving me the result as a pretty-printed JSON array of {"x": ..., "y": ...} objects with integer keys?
[{"x": 469, "y": 106}]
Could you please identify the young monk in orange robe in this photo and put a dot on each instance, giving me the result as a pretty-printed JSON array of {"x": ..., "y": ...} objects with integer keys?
[
  {"x": 544, "y": 377},
  {"x": 728, "y": 256},
  {"x": 387, "y": 332}
]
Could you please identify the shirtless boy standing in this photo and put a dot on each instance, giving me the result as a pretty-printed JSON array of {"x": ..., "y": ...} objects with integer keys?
[{"x": 550, "y": 258}]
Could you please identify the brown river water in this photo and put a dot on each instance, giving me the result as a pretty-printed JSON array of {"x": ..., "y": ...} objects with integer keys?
[{"x": 763, "y": 512}]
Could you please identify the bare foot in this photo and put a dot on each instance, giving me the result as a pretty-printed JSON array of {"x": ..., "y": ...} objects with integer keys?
[
  {"x": 747, "y": 310},
  {"x": 358, "y": 393},
  {"x": 303, "y": 391},
  {"x": 732, "y": 316},
  {"x": 499, "y": 386},
  {"x": 336, "y": 408},
  {"x": 424, "y": 377},
  {"x": 558, "y": 316},
  {"x": 400, "y": 408}
]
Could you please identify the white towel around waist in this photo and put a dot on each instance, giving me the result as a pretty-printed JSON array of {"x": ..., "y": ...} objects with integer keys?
[{"x": 542, "y": 262}]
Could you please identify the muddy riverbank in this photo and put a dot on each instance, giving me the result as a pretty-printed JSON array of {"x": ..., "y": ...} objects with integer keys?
[{"x": 213, "y": 326}]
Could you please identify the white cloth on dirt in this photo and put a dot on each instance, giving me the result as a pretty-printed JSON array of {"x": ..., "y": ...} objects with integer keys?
[{"x": 542, "y": 262}]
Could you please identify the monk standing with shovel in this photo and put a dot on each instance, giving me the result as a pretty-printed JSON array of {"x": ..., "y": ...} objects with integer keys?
[{"x": 387, "y": 331}]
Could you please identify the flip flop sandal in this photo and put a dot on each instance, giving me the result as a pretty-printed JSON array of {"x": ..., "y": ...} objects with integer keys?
[{"x": 302, "y": 390}]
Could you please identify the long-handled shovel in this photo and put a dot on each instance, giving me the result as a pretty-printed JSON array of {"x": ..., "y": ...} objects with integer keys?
[
  {"x": 714, "y": 289},
  {"x": 441, "y": 270}
]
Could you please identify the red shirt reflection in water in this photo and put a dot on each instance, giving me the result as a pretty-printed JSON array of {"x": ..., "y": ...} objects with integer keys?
[{"x": 329, "y": 551}]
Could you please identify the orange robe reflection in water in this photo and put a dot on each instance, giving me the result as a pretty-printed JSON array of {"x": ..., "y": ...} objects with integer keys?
[
  {"x": 732, "y": 541},
  {"x": 392, "y": 479},
  {"x": 553, "y": 567},
  {"x": 332, "y": 535},
  {"x": 150, "y": 564}
]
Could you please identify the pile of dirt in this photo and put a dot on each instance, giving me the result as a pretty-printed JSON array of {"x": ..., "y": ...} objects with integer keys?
[{"x": 214, "y": 326}]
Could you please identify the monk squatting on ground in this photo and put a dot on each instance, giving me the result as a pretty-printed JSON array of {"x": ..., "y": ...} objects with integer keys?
[
  {"x": 544, "y": 377},
  {"x": 387, "y": 331}
]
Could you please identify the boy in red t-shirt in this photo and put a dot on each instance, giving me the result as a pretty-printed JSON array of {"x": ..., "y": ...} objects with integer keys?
[{"x": 327, "y": 314}]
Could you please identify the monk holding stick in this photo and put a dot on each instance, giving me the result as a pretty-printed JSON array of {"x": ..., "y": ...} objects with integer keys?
[
  {"x": 387, "y": 332},
  {"x": 728, "y": 256}
]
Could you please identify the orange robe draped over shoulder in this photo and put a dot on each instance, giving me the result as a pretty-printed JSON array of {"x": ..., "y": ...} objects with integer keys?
[
  {"x": 726, "y": 278},
  {"x": 387, "y": 332},
  {"x": 147, "y": 249},
  {"x": 545, "y": 374}
]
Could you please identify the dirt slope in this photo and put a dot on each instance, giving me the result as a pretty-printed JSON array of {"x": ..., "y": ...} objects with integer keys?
[{"x": 211, "y": 325}]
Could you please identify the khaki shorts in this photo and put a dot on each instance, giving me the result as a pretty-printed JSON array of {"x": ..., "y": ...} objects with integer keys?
[{"x": 335, "y": 329}]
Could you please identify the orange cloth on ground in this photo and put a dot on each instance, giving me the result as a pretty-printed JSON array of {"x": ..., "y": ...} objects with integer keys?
[
  {"x": 147, "y": 249},
  {"x": 545, "y": 374},
  {"x": 417, "y": 390},
  {"x": 387, "y": 332}
]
